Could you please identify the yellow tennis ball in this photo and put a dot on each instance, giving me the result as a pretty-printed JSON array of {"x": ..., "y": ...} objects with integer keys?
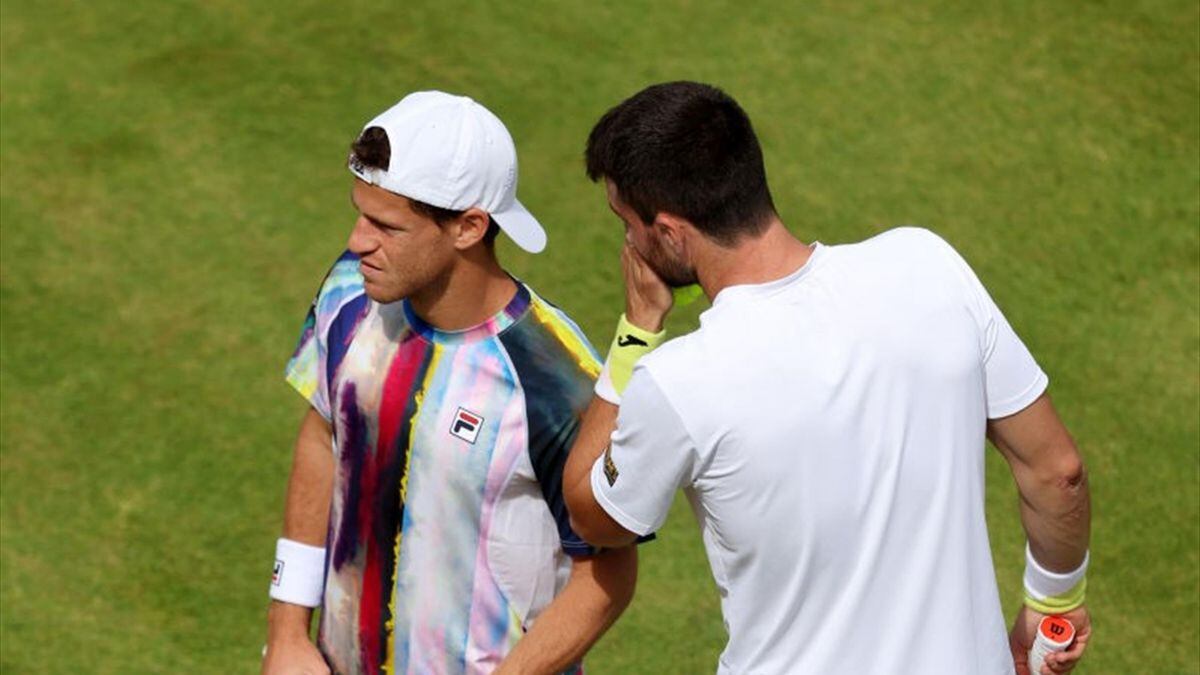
[{"x": 686, "y": 295}]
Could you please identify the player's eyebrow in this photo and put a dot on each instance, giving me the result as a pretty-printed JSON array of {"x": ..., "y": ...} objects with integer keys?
[{"x": 368, "y": 216}]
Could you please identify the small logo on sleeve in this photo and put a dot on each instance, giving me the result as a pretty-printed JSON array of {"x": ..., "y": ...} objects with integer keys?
[
  {"x": 610, "y": 467},
  {"x": 627, "y": 340},
  {"x": 277, "y": 575},
  {"x": 466, "y": 425}
]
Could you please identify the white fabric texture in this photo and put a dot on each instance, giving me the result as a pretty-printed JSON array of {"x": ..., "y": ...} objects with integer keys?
[
  {"x": 828, "y": 429},
  {"x": 524, "y": 549}
]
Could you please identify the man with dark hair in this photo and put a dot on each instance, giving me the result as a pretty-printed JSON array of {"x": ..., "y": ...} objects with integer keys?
[
  {"x": 827, "y": 420},
  {"x": 425, "y": 514}
]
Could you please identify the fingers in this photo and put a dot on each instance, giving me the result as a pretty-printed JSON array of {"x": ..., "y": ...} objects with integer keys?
[
  {"x": 1020, "y": 653},
  {"x": 647, "y": 297},
  {"x": 636, "y": 267},
  {"x": 1065, "y": 661}
]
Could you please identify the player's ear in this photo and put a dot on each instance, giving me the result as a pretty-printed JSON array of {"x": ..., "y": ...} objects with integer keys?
[
  {"x": 672, "y": 231},
  {"x": 472, "y": 225}
]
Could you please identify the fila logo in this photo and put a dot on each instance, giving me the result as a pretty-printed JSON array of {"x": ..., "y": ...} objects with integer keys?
[
  {"x": 466, "y": 425},
  {"x": 627, "y": 340},
  {"x": 277, "y": 575}
]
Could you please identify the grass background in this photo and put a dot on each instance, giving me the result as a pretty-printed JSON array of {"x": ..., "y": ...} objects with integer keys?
[{"x": 172, "y": 189}]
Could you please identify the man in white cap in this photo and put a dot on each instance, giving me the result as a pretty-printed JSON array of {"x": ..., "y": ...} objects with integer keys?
[{"x": 424, "y": 513}]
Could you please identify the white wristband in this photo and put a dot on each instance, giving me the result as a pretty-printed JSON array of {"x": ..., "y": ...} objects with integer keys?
[
  {"x": 299, "y": 576},
  {"x": 1041, "y": 583}
]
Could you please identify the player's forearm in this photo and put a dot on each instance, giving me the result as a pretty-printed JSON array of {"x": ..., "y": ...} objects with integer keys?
[
  {"x": 306, "y": 514},
  {"x": 1056, "y": 515},
  {"x": 310, "y": 485},
  {"x": 1052, "y": 481},
  {"x": 286, "y": 621},
  {"x": 598, "y": 591}
]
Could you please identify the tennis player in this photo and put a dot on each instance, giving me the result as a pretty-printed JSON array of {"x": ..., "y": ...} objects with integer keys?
[
  {"x": 425, "y": 514},
  {"x": 827, "y": 420}
]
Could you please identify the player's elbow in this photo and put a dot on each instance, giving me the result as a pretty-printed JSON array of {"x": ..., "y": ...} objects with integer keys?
[
  {"x": 596, "y": 531},
  {"x": 590, "y": 533},
  {"x": 1061, "y": 488},
  {"x": 1072, "y": 475},
  {"x": 1066, "y": 473},
  {"x": 589, "y": 520}
]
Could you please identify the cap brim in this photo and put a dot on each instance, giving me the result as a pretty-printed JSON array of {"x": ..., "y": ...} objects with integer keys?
[{"x": 520, "y": 226}]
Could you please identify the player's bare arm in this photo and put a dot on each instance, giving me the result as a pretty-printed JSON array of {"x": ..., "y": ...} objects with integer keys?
[
  {"x": 306, "y": 516},
  {"x": 600, "y": 588},
  {"x": 1055, "y": 512},
  {"x": 588, "y": 518},
  {"x": 647, "y": 302}
]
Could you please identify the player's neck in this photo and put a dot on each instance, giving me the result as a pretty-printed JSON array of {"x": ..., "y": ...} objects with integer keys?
[
  {"x": 471, "y": 292},
  {"x": 772, "y": 255}
]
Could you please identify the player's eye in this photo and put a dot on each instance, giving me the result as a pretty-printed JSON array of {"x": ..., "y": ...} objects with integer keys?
[{"x": 390, "y": 229}]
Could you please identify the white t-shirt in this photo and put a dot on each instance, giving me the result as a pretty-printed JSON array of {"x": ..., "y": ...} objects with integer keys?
[{"x": 828, "y": 428}]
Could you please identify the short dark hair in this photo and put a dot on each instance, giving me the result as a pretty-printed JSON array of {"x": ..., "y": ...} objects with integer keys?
[
  {"x": 688, "y": 149},
  {"x": 373, "y": 149}
]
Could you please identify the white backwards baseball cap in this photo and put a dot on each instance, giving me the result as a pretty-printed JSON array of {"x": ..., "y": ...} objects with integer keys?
[{"x": 450, "y": 152}]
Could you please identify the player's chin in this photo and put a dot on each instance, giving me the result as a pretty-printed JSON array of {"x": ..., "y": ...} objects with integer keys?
[{"x": 381, "y": 293}]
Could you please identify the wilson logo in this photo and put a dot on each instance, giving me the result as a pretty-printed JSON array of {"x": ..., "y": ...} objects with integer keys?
[{"x": 466, "y": 425}]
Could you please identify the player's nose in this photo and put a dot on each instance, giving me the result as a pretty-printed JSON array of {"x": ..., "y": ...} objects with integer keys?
[{"x": 361, "y": 240}]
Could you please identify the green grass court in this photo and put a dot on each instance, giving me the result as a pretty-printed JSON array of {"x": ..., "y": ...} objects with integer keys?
[{"x": 173, "y": 188}]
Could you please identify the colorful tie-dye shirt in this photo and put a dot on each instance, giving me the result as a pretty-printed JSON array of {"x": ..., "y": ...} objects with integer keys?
[{"x": 448, "y": 533}]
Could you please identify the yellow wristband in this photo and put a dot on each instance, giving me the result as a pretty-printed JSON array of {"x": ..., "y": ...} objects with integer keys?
[
  {"x": 629, "y": 345},
  {"x": 1053, "y": 592},
  {"x": 1058, "y": 604}
]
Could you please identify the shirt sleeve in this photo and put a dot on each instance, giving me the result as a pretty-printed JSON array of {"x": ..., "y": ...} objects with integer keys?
[
  {"x": 650, "y": 457},
  {"x": 548, "y": 460},
  {"x": 335, "y": 308},
  {"x": 1014, "y": 379}
]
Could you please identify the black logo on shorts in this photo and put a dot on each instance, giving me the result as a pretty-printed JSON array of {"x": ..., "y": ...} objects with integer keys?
[{"x": 627, "y": 340}]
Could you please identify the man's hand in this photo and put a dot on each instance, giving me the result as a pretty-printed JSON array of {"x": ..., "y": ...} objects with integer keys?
[
  {"x": 294, "y": 656},
  {"x": 289, "y": 651},
  {"x": 1020, "y": 639},
  {"x": 647, "y": 297}
]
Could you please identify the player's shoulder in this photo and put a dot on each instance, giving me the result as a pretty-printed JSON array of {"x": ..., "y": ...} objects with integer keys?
[
  {"x": 342, "y": 283},
  {"x": 681, "y": 362},
  {"x": 556, "y": 322},
  {"x": 909, "y": 240},
  {"x": 546, "y": 346},
  {"x": 341, "y": 300},
  {"x": 904, "y": 250}
]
